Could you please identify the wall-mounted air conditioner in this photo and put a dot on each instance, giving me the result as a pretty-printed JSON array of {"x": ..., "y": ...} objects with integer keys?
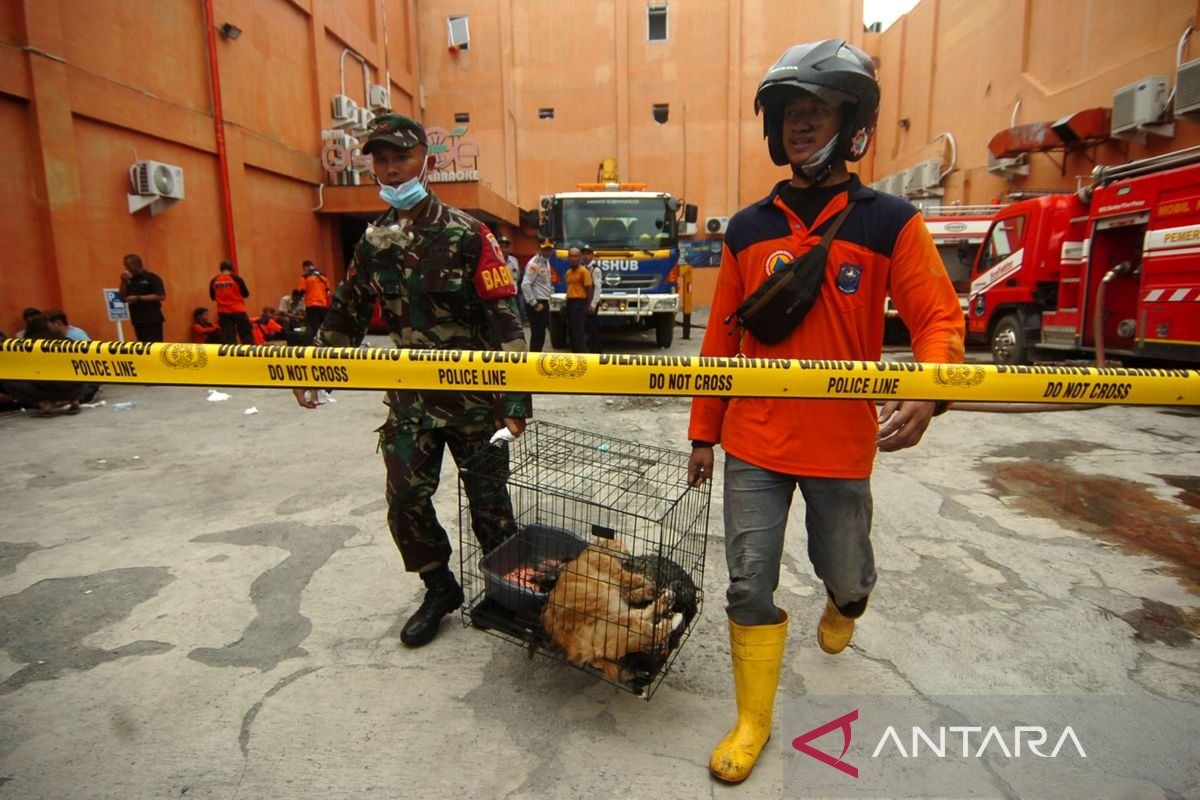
[
  {"x": 716, "y": 225},
  {"x": 1187, "y": 89},
  {"x": 362, "y": 119},
  {"x": 1007, "y": 167},
  {"x": 1141, "y": 107},
  {"x": 929, "y": 174},
  {"x": 155, "y": 179},
  {"x": 344, "y": 109},
  {"x": 687, "y": 229},
  {"x": 379, "y": 98},
  {"x": 155, "y": 185}
]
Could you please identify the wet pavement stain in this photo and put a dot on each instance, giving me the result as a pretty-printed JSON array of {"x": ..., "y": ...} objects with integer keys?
[
  {"x": 13, "y": 553},
  {"x": 45, "y": 625},
  {"x": 275, "y": 634},
  {"x": 1160, "y": 622},
  {"x": 1053, "y": 450},
  {"x": 1188, "y": 486},
  {"x": 1121, "y": 512}
]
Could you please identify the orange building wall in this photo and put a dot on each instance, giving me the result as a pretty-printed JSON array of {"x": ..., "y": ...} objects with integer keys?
[
  {"x": 592, "y": 63},
  {"x": 96, "y": 91},
  {"x": 962, "y": 66}
]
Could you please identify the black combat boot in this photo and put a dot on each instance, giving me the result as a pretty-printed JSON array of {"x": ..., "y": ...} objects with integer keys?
[{"x": 442, "y": 595}]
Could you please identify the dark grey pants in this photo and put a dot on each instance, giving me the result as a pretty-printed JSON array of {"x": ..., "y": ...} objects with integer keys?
[{"x": 838, "y": 520}]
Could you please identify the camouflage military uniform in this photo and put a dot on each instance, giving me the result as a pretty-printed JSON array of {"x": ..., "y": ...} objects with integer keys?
[{"x": 439, "y": 281}]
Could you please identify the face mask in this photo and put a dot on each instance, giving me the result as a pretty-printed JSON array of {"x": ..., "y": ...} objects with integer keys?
[
  {"x": 816, "y": 165},
  {"x": 405, "y": 196}
]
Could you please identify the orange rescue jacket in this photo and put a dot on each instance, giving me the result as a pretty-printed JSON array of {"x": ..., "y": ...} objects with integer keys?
[{"x": 882, "y": 248}]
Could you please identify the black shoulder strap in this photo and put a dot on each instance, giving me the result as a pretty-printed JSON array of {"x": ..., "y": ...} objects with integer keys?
[{"x": 837, "y": 224}]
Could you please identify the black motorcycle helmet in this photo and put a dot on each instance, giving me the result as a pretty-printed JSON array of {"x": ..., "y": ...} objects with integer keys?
[{"x": 836, "y": 72}]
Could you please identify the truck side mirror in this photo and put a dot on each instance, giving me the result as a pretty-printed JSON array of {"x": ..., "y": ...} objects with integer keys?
[
  {"x": 690, "y": 213},
  {"x": 544, "y": 218}
]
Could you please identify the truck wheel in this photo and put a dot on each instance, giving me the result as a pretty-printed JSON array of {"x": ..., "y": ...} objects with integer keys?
[
  {"x": 558, "y": 330},
  {"x": 664, "y": 329},
  {"x": 1009, "y": 345}
]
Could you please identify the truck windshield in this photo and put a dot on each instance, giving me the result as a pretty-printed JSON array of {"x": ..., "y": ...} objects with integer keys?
[{"x": 622, "y": 223}]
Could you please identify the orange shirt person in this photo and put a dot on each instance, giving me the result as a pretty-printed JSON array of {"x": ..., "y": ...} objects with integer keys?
[
  {"x": 579, "y": 297},
  {"x": 819, "y": 103},
  {"x": 203, "y": 330},
  {"x": 230, "y": 292},
  {"x": 265, "y": 327},
  {"x": 316, "y": 296}
]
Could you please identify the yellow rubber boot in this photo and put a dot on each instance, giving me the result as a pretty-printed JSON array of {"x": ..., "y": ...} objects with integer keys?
[
  {"x": 757, "y": 657},
  {"x": 835, "y": 630}
]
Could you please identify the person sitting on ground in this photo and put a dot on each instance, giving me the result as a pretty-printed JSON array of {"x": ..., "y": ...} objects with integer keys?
[
  {"x": 46, "y": 398},
  {"x": 203, "y": 330},
  {"x": 265, "y": 328},
  {"x": 28, "y": 314},
  {"x": 293, "y": 319},
  {"x": 58, "y": 320}
]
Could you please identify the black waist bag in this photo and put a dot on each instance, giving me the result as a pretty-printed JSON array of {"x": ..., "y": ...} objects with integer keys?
[{"x": 784, "y": 299}]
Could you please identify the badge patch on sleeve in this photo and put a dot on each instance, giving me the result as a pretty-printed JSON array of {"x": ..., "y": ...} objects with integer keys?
[
  {"x": 493, "y": 281},
  {"x": 848, "y": 278}
]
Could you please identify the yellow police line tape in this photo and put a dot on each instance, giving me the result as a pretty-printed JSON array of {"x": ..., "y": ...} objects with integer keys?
[{"x": 562, "y": 373}]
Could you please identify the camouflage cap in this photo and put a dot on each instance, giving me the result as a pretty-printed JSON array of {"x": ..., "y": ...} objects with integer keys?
[{"x": 394, "y": 129}]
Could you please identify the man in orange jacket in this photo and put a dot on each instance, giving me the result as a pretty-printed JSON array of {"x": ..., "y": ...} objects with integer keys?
[
  {"x": 230, "y": 292},
  {"x": 317, "y": 295},
  {"x": 819, "y": 104}
]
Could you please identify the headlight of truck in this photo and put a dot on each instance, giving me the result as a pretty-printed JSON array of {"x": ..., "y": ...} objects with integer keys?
[{"x": 665, "y": 304}]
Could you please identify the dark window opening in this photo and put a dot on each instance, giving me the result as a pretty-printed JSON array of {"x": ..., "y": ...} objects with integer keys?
[
  {"x": 545, "y": 113},
  {"x": 462, "y": 117},
  {"x": 656, "y": 23},
  {"x": 661, "y": 111}
]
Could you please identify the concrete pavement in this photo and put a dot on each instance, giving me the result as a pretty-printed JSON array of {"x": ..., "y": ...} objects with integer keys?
[{"x": 200, "y": 603}]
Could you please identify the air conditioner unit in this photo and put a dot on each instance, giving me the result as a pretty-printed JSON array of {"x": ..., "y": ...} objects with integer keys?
[
  {"x": 156, "y": 179},
  {"x": 687, "y": 229},
  {"x": 1007, "y": 167},
  {"x": 1140, "y": 106},
  {"x": 929, "y": 173},
  {"x": 1187, "y": 89},
  {"x": 344, "y": 108},
  {"x": 379, "y": 98},
  {"x": 716, "y": 224},
  {"x": 362, "y": 119}
]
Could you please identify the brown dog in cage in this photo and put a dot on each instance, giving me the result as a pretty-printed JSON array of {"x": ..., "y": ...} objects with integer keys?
[{"x": 599, "y": 611}]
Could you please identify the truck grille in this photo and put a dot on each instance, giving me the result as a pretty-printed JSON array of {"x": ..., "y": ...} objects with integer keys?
[{"x": 630, "y": 282}]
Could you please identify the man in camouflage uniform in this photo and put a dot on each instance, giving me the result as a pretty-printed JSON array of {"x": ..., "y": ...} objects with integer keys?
[{"x": 443, "y": 285}]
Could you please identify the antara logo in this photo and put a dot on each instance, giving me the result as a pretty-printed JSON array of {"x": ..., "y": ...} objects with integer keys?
[{"x": 934, "y": 742}]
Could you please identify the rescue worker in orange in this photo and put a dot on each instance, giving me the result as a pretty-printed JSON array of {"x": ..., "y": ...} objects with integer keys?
[
  {"x": 819, "y": 103},
  {"x": 230, "y": 292},
  {"x": 579, "y": 297},
  {"x": 317, "y": 295}
]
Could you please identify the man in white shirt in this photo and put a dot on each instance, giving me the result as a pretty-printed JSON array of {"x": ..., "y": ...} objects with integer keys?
[
  {"x": 587, "y": 259},
  {"x": 536, "y": 288},
  {"x": 514, "y": 267}
]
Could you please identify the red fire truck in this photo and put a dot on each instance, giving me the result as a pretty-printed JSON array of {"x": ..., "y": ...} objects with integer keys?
[{"x": 1113, "y": 269}]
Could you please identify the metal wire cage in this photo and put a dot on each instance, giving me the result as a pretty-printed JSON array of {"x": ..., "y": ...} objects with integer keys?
[{"x": 599, "y": 562}]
